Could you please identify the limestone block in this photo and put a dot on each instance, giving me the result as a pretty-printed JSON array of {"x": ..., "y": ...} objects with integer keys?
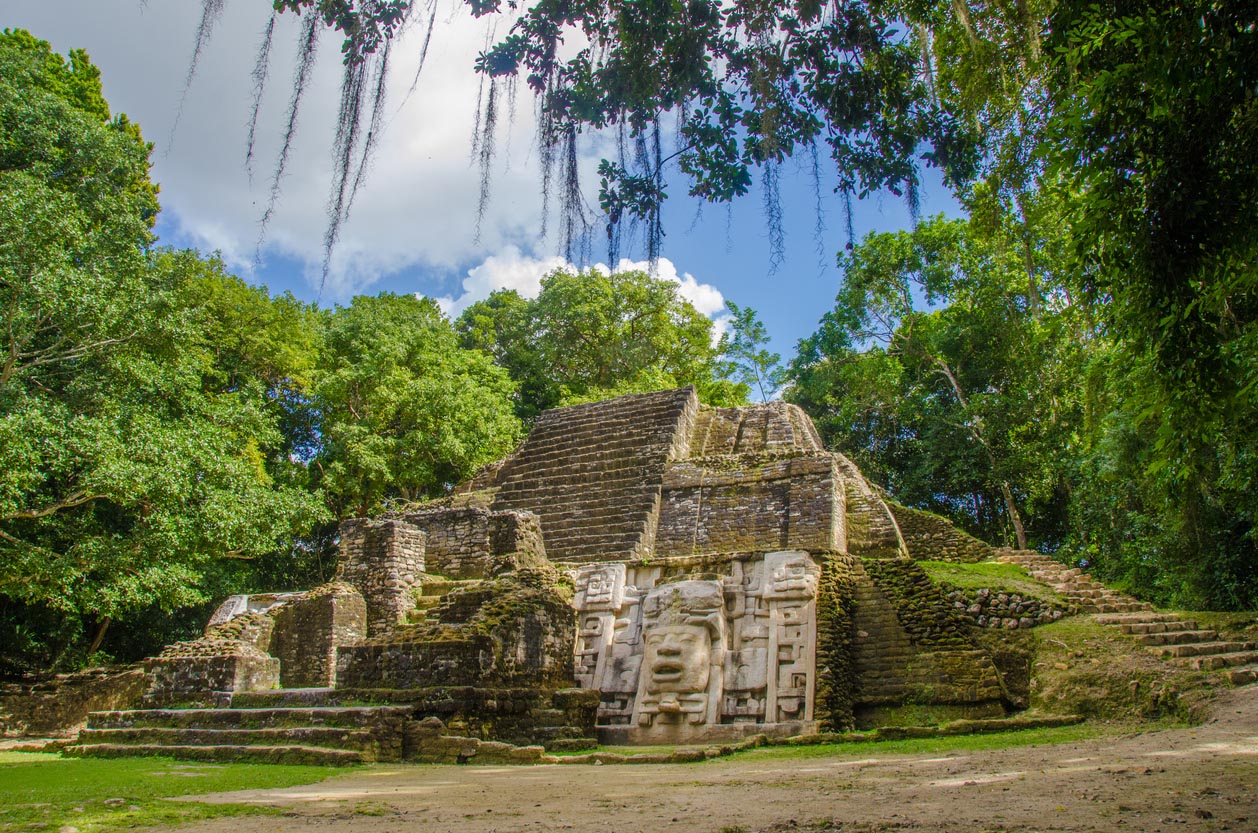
[{"x": 383, "y": 560}]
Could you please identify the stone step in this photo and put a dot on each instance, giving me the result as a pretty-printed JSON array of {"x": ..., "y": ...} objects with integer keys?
[
  {"x": 1077, "y": 595},
  {"x": 288, "y": 754},
  {"x": 1242, "y": 676},
  {"x": 1140, "y": 618},
  {"x": 561, "y": 472},
  {"x": 362, "y": 740},
  {"x": 438, "y": 588},
  {"x": 1201, "y": 649},
  {"x": 588, "y": 491},
  {"x": 1113, "y": 607},
  {"x": 1177, "y": 637},
  {"x": 284, "y": 698},
  {"x": 338, "y": 716},
  {"x": 1215, "y": 662},
  {"x": 1175, "y": 626},
  {"x": 639, "y": 420}
]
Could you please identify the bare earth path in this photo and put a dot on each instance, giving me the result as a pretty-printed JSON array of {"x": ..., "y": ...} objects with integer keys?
[{"x": 1199, "y": 779}]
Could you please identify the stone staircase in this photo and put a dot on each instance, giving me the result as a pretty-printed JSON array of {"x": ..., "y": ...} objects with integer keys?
[
  {"x": 1078, "y": 588},
  {"x": 591, "y": 473},
  {"x": 431, "y": 593},
  {"x": 341, "y": 735},
  {"x": 1183, "y": 642},
  {"x": 1166, "y": 634}
]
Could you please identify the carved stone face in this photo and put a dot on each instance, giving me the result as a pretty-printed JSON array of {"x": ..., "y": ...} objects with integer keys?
[
  {"x": 678, "y": 658},
  {"x": 791, "y": 574}
]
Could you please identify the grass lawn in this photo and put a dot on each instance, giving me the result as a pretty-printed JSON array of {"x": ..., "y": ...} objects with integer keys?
[
  {"x": 915, "y": 746},
  {"x": 48, "y": 792},
  {"x": 955, "y": 743}
]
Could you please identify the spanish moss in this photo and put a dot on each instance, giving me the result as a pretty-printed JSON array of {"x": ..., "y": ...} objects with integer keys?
[
  {"x": 655, "y": 228},
  {"x": 374, "y": 127},
  {"x": 913, "y": 198},
  {"x": 429, "y": 23},
  {"x": 773, "y": 215},
  {"x": 211, "y": 12},
  {"x": 819, "y": 219},
  {"x": 483, "y": 144},
  {"x": 307, "y": 46},
  {"x": 615, "y": 228},
  {"x": 348, "y": 124},
  {"x": 574, "y": 224},
  {"x": 261, "y": 68},
  {"x": 547, "y": 140}
]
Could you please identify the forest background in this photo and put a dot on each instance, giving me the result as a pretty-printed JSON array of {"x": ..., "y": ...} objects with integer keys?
[{"x": 1068, "y": 367}]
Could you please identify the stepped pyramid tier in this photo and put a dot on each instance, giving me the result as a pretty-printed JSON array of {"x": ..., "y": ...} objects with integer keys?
[{"x": 642, "y": 570}]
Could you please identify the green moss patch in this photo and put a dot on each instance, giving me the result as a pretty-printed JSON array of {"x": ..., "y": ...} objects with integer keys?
[
  {"x": 994, "y": 575},
  {"x": 47, "y": 792}
]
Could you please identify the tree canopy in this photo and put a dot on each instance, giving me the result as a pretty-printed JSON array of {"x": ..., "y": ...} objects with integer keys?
[
  {"x": 127, "y": 458},
  {"x": 593, "y": 334}
]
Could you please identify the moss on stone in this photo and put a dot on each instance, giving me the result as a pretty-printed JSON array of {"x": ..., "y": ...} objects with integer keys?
[{"x": 836, "y": 668}]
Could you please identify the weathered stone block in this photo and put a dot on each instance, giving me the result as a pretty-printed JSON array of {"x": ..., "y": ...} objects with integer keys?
[
  {"x": 308, "y": 632},
  {"x": 203, "y": 671}
]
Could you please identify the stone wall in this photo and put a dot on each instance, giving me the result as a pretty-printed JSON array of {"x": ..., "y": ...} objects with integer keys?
[
  {"x": 383, "y": 560},
  {"x": 872, "y": 531},
  {"x": 740, "y": 504},
  {"x": 474, "y": 542},
  {"x": 768, "y": 427},
  {"x": 204, "y": 672},
  {"x": 449, "y": 662},
  {"x": 988, "y": 608},
  {"x": 932, "y": 538},
  {"x": 516, "y": 541},
  {"x": 58, "y": 707},
  {"x": 592, "y": 472},
  {"x": 309, "y": 631},
  {"x": 457, "y": 541},
  {"x": 516, "y": 630}
]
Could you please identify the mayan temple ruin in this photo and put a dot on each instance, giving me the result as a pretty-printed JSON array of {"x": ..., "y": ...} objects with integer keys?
[{"x": 644, "y": 570}]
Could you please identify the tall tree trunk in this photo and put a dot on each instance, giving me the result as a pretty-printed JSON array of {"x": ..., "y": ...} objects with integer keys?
[
  {"x": 976, "y": 431},
  {"x": 100, "y": 635},
  {"x": 1012, "y": 509}
]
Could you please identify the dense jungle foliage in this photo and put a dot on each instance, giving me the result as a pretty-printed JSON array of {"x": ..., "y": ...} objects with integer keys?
[{"x": 1069, "y": 367}]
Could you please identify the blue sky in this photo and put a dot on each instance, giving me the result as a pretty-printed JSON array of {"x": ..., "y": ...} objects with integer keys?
[{"x": 413, "y": 229}]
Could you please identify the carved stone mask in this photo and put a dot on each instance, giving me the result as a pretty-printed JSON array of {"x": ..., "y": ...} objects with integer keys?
[
  {"x": 682, "y": 630},
  {"x": 678, "y": 658}
]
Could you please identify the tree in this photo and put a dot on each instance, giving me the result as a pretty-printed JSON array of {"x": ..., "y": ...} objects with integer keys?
[
  {"x": 591, "y": 335},
  {"x": 403, "y": 412},
  {"x": 746, "y": 85},
  {"x": 126, "y": 466},
  {"x": 744, "y": 346},
  {"x": 962, "y": 400}
]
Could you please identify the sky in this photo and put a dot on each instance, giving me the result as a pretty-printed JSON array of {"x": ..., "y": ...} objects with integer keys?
[{"x": 414, "y": 225}]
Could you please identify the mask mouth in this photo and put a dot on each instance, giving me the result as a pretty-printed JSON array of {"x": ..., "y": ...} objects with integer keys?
[{"x": 667, "y": 670}]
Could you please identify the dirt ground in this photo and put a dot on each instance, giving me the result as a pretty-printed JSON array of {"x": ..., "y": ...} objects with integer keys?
[{"x": 1196, "y": 779}]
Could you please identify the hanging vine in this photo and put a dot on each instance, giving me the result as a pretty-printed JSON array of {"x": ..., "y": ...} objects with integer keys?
[{"x": 748, "y": 84}]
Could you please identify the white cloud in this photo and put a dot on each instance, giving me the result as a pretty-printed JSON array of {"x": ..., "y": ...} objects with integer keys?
[
  {"x": 418, "y": 208},
  {"x": 705, "y": 297},
  {"x": 509, "y": 269}
]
